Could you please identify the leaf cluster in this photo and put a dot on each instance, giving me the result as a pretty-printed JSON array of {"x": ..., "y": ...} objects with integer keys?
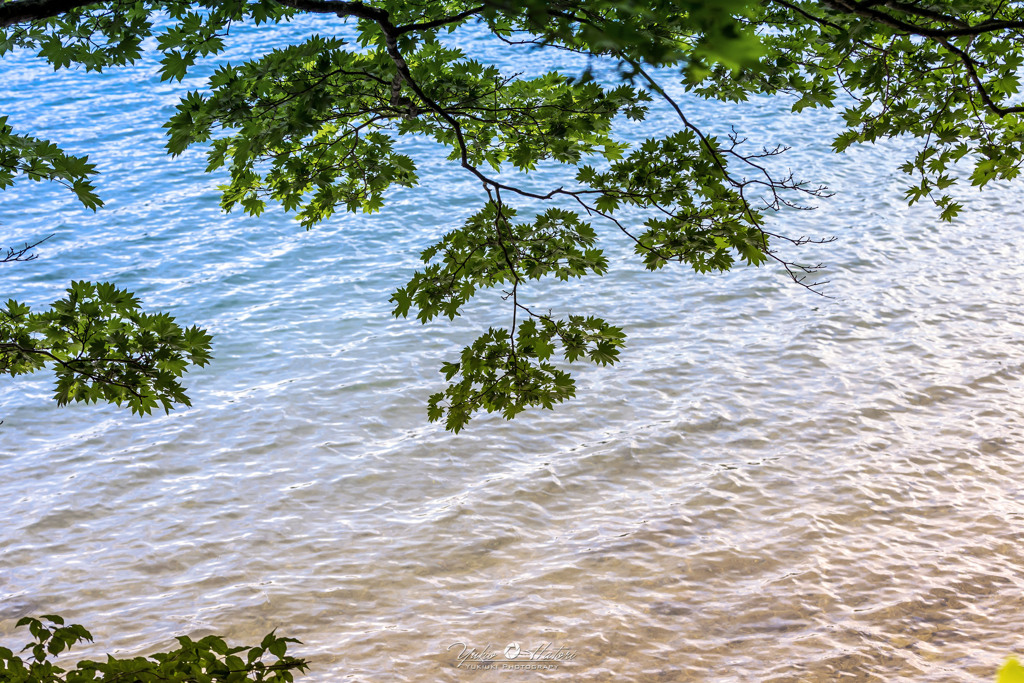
[
  {"x": 506, "y": 373},
  {"x": 945, "y": 73},
  {"x": 36, "y": 159},
  {"x": 208, "y": 660},
  {"x": 503, "y": 370},
  {"x": 102, "y": 346},
  {"x": 490, "y": 250},
  {"x": 700, "y": 218}
]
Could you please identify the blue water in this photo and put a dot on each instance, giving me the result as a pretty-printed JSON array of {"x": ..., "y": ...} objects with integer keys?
[{"x": 771, "y": 485}]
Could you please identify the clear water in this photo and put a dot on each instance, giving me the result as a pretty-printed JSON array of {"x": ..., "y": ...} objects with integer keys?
[{"x": 770, "y": 486}]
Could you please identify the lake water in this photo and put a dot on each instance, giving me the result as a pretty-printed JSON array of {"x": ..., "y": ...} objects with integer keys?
[{"x": 771, "y": 485}]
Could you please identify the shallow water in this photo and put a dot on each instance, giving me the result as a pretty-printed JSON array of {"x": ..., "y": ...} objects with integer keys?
[{"x": 770, "y": 486}]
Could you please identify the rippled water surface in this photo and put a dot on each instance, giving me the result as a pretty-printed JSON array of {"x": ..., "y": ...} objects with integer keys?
[{"x": 771, "y": 486}]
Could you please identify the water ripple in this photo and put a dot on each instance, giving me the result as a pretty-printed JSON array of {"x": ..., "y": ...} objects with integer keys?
[{"x": 770, "y": 486}]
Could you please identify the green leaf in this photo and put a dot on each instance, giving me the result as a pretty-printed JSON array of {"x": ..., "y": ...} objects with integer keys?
[{"x": 1011, "y": 672}]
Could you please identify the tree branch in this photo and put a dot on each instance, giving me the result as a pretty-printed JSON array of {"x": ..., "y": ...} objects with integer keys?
[
  {"x": 340, "y": 8},
  {"x": 22, "y": 253},
  {"x": 865, "y": 10},
  {"x": 443, "y": 21},
  {"x": 941, "y": 36},
  {"x": 69, "y": 364},
  {"x": 24, "y": 11}
]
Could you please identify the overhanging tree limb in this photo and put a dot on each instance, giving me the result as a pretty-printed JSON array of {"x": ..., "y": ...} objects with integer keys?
[
  {"x": 961, "y": 28},
  {"x": 24, "y": 11},
  {"x": 314, "y": 126}
]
